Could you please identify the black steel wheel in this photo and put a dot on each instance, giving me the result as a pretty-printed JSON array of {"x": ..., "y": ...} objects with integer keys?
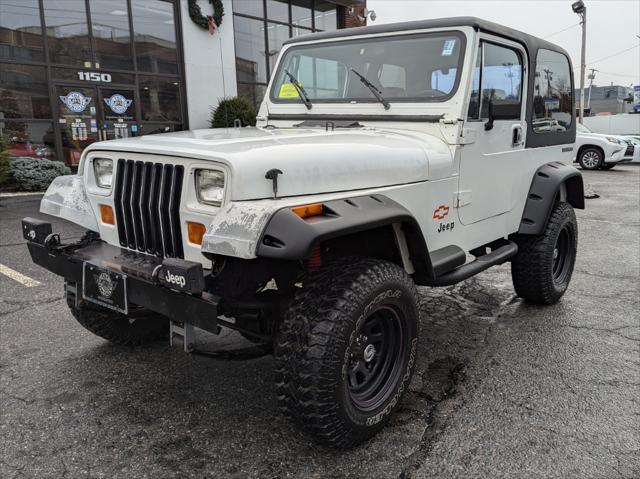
[
  {"x": 543, "y": 267},
  {"x": 376, "y": 357},
  {"x": 346, "y": 349}
]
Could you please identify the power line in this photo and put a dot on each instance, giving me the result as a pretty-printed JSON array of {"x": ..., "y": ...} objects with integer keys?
[
  {"x": 614, "y": 54},
  {"x": 563, "y": 30},
  {"x": 619, "y": 74}
]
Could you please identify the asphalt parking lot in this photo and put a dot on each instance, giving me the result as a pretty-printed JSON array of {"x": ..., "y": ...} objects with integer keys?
[{"x": 502, "y": 388}]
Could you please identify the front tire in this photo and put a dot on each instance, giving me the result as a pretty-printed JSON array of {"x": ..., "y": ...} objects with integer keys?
[
  {"x": 542, "y": 269},
  {"x": 590, "y": 159},
  {"x": 346, "y": 349},
  {"x": 140, "y": 327}
]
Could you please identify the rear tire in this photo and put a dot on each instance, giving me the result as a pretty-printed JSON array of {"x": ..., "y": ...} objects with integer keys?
[
  {"x": 542, "y": 269},
  {"x": 346, "y": 349},
  {"x": 591, "y": 159},
  {"x": 140, "y": 327}
]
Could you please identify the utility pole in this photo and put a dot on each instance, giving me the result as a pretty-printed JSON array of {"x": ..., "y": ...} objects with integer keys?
[
  {"x": 591, "y": 77},
  {"x": 580, "y": 8}
]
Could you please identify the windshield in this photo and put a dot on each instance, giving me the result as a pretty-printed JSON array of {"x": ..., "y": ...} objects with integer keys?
[
  {"x": 580, "y": 128},
  {"x": 416, "y": 68}
]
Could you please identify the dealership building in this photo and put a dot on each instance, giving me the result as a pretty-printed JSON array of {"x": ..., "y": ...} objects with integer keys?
[{"x": 73, "y": 72}]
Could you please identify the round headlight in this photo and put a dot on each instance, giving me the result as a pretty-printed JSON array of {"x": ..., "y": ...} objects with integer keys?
[
  {"x": 103, "y": 172},
  {"x": 210, "y": 187}
]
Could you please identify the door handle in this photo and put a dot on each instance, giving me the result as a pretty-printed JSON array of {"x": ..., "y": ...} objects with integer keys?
[{"x": 516, "y": 135}]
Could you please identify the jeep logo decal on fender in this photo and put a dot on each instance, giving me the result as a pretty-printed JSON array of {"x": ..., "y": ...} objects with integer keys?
[{"x": 175, "y": 279}]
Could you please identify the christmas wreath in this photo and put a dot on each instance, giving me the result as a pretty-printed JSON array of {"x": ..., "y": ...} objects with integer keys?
[{"x": 208, "y": 22}]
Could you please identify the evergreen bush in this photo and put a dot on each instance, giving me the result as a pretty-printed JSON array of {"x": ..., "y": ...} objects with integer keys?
[
  {"x": 35, "y": 174},
  {"x": 230, "y": 109}
]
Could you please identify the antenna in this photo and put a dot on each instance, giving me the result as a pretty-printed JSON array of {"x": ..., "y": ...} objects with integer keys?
[{"x": 224, "y": 87}]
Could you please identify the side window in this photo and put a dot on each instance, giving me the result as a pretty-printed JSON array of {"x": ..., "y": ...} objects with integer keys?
[
  {"x": 497, "y": 84},
  {"x": 552, "y": 100}
]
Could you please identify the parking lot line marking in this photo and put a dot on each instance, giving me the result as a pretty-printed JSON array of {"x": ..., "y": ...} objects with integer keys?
[{"x": 19, "y": 277}]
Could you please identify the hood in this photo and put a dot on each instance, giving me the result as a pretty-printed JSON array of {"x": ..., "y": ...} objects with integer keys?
[
  {"x": 600, "y": 136},
  {"x": 311, "y": 160}
]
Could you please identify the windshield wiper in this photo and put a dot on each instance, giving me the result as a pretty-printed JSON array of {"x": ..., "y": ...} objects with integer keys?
[
  {"x": 301, "y": 91},
  {"x": 377, "y": 93}
]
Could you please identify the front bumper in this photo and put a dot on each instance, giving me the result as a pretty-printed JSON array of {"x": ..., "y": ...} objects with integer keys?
[{"x": 144, "y": 288}]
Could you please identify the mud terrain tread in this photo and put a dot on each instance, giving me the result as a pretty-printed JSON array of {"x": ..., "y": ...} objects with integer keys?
[
  {"x": 531, "y": 268},
  {"x": 313, "y": 332},
  {"x": 117, "y": 328}
]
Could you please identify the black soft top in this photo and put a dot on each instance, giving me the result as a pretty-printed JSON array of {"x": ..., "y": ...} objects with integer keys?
[{"x": 530, "y": 42}]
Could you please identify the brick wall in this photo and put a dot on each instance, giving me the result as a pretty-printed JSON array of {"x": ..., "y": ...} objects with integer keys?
[{"x": 351, "y": 16}]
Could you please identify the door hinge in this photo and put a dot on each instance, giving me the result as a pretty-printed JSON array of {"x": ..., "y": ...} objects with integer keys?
[
  {"x": 462, "y": 198},
  {"x": 467, "y": 136}
]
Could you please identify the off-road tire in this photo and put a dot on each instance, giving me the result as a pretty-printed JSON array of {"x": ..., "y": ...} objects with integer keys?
[
  {"x": 538, "y": 274},
  {"x": 316, "y": 340},
  {"x": 591, "y": 159},
  {"x": 608, "y": 166},
  {"x": 140, "y": 327}
]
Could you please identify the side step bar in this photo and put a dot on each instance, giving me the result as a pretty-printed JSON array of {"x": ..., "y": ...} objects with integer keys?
[{"x": 496, "y": 257}]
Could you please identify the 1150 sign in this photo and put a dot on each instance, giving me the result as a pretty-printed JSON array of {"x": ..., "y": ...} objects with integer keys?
[{"x": 95, "y": 76}]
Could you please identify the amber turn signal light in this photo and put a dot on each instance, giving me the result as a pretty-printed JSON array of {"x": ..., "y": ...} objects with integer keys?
[
  {"x": 307, "y": 211},
  {"x": 196, "y": 232},
  {"x": 106, "y": 214}
]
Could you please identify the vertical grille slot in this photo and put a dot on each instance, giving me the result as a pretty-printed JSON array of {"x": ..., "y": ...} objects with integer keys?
[{"x": 147, "y": 203}]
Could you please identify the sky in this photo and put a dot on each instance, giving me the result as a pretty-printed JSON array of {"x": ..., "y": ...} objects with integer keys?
[{"x": 612, "y": 26}]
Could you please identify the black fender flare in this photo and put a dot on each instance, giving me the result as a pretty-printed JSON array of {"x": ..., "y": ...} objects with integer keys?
[
  {"x": 545, "y": 187},
  {"x": 289, "y": 237}
]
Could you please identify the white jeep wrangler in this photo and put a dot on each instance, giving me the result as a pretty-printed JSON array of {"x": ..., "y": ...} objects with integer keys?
[{"x": 385, "y": 157}]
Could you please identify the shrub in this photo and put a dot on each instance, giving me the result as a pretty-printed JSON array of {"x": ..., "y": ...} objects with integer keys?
[
  {"x": 5, "y": 163},
  {"x": 35, "y": 174},
  {"x": 229, "y": 109}
]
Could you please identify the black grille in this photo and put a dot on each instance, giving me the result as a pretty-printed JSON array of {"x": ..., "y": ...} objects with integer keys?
[
  {"x": 629, "y": 150},
  {"x": 147, "y": 201}
]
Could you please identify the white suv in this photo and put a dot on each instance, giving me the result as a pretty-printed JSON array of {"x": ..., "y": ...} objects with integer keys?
[
  {"x": 385, "y": 157},
  {"x": 598, "y": 151}
]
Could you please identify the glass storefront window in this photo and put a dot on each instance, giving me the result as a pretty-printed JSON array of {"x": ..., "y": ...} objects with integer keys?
[
  {"x": 278, "y": 10},
  {"x": 23, "y": 92},
  {"x": 67, "y": 32},
  {"x": 249, "y": 7},
  {"x": 29, "y": 139},
  {"x": 155, "y": 128},
  {"x": 301, "y": 13},
  {"x": 253, "y": 91},
  {"x": 155, "y": 36},
  {"x": 160, "y": 99},
  {"x": 277, "y": 34},
  {"x": 250, "y": 50},
  {"x": 75, "y": 74},
  {"x": 326, "y": 15},
  {"x": 111, "y": 35},
  {"x": 20, "y": 31}
]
